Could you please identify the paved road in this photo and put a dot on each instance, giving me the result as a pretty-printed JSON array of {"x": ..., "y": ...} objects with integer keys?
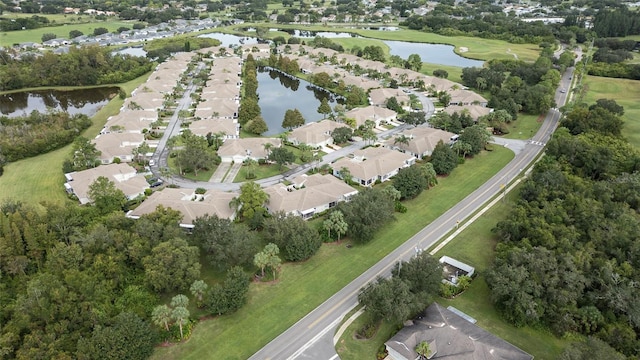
[{"x": 303, "y": 339}]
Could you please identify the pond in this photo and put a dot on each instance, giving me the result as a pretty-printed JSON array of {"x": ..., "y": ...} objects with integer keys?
[
  {"x": 85, "y": 101},
  {"x": 278, "y": 93},
  {"x": 431, "y": 53},
  {"x": 227, "y": 40}
]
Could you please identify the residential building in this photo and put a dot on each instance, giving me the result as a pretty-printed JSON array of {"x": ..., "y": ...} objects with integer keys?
[
  {"x": 379, "y": 97},
  {"x": 450, "y": 336},
  {"x": 466, "y": 97},
  {"x": 238, "y": 150},
  {"x": 189, "y": 204},
  {"x": 373, "y": 164},
  {"x": 229, "y": 127},
  {"x": 315, "y": 134},
  {"x": 475, "y": 111},
  {"x": 421, "y": 141},
  {"x": 374, "y": 113},
  {"x": 118, "y": 145},
  {"x": 123, "y": 176},
  {"x": 308, "y": 195}
]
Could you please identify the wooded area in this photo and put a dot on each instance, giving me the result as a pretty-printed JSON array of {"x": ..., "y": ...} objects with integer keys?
[
  {"x": 26, "y": 136},
  {"x": 87, "y": 65},
  {"x": 568, "y": 255}
]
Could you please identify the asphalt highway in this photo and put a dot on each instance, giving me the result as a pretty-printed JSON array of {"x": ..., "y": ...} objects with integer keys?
[{"x": 304, "y": 335}]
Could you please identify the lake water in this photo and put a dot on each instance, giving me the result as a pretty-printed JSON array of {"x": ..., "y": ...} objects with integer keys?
[
  {"x": 431, "y": 53},
  {"x": 278, "y": 93},
  {"x": 86, "y": 101},
  {"x": 227, "y": 39}
]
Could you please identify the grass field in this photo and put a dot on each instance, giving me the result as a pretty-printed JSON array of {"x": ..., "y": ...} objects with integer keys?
[
  {"x": 624, "y": 92},
  {"x": 273, "y": 307},
  {"x": 262, "y": 172},
  {"x": 40, "y": 178},
  {"x": 525, "y": 127},
  {"x": 35, "y": 35},
  {"x": 475, "y": 246}
]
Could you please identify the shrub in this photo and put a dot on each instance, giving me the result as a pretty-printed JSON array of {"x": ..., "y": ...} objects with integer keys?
[{"x": 201, "y": 191}]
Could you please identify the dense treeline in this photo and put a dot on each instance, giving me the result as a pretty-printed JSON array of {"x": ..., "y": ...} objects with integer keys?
[
  {"x": 616, "y": 22},
  {"x": 26, "y": 136},
  {"x": 568, "y": 255},
  {"x": 161, "y": 49},
  {"x": 88, "y": 65},
  {"x": 495, "y": 25},
  {"x": 609, "y": 59},
  {"x": 32, "y": 22},
  {"x": 517, "y": 85}
]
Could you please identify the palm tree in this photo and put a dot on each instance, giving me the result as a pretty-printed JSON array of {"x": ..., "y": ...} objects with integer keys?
[
  {"x": 180, "y": 301},
  {"x": 198, "y": 288},
  {"x": 251, "y": 167},
  {"x": 345, "y": 174},
  {"x": 423, "y": 350},
  {"x": 235, "y": 204},
  {"x": 267, "y": 148},
  {"x": 161, "y": 316},
  {"x": 402, "y": 139},
  {"x": 181, "y": 315}
]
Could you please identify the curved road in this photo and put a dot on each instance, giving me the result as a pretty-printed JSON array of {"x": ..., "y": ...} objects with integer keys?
[{"x": 307, "y": 339}]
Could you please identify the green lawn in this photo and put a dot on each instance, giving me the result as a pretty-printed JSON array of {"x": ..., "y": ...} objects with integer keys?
[
  {"x": 35, "y": 35},
  {"x": 524, "y": 127},
  {"x": 475, "y": 246},
  {"x": 203, "y": 175},
  {"x": 40, "y": 178},
  {"x": 624, "y": 92},
  {"x": 273, "y": 307},
  {"x": 262, "y": 172}
]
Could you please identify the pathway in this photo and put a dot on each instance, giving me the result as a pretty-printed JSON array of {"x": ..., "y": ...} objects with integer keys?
[{"x": 220, "y": 172}]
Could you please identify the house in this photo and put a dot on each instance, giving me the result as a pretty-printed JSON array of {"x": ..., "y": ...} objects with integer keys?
[
  {"x": 421, "y": 141},
  {"x": 373, "y": 164},
  {"x": 189, "y": 204},
  {"x": 435, "y": 84},
  {"x": 308, "y": 195},
  {"x": 450, "y": 336},
  {"x": 135, "y": 121},
  {"x": 229, "y": 127},
  {"x": 475, "y": 111},
  {"x": 117, "y": 145},
  {"x": 378, "y": 97},
  {"x": 238, "y": 150},
  {"x": 466, "y": 97},
  {"x": 123, "y": 176},
  {"x": 315, "y": 134},
  {"x": 374, "y": 113},
  {"x": 218, "y": 108}
]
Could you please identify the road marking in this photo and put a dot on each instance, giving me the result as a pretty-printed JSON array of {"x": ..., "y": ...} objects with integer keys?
[{"x": 304, "y": 347}]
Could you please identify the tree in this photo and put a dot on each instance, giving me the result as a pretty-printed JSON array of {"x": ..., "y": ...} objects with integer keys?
[
  {"x": 414, "y": 62},
  {"x": 440, "y": 73},
  {"x": 444, "y": 159},
  {"x": 282, "y": 156},
  {"x": 293, "y": 235},
  {"x": 336, "y": 222},
  {"x": 236, "y": 288},
  {"x": 250, "y": 166},
  {"x": 342, "y": 134},
  {"x": 324, "y": 108},
  {"x": 461, "y": 148},
  {"x": 430, "y": 174},
  {"x": 293, "y": 118},
  {"x": 593, "y": 348},
  {"x": 423, "y": 350},
  {"x": 100, "y": 30},
  {"x": 392, "y": 104},
  {"x": 172, "y": 265},
  {"x": 252, "y": 198},
  {"x": 410, "y": 181},
  {"x": 128, "y": 337},
  {"x": 75, "y": 33},
  {"x": 180, "y": 300},
  {"x": 226, "y": 244},
  {"x": 105, "y": 196},
  {"x": 48, "y": 36},
  {"x": 261, "y": 260},
  {"x": 256, "y": 126},
  {"x": 273, "y": 260},
  {"x": 249, "y": 110},
  {"x": 84, "y": 154},
  {"x": 414, "y": 118},
  {"x": 387, "y": 299},
  {"x": 161, "y": 316},
  {"x": 196, "y": 154},
  {"x": 402, "y": 139},
  {"x": 365, "y": 213},
  {"x": 180, "y": 315},
  {"x": 444, "y": 98},
  {"x": 476, "y": 136}
]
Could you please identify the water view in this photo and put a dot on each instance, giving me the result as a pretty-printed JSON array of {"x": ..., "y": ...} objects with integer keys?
[
  {"x": 431, "y": 53},
  {"x": 279, "y": 93},
  {"x": 227, "y": 40},
  {"x": 85, "y": 101},
  {"x": 133, "y": 51}
]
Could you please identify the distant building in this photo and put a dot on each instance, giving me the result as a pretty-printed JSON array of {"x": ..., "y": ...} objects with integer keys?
[{"x": 315, "y": 134}]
